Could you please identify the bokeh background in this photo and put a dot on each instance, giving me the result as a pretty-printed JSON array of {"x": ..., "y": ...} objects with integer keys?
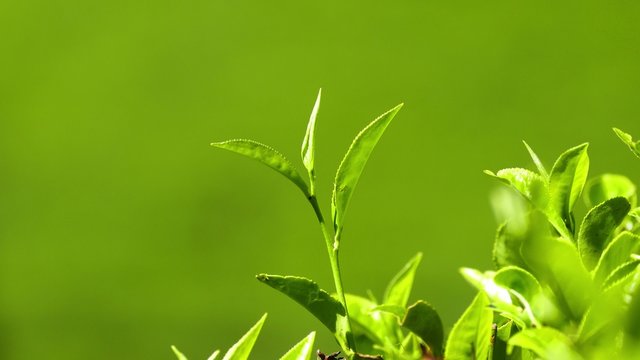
[{"x": 123, "y": 232}]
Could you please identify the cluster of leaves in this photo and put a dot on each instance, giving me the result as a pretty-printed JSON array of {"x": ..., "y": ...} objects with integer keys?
[{"x": 561, "y": 290}]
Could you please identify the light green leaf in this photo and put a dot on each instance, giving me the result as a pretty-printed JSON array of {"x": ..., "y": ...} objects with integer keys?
[
  {"x": 308, "y": 144},
  {"x": 179, "y": 355},
  {"x": 566, "y": 181},
  {"x": 546, "y": 342},
  {"x": 616, "y": 253},
  {"x": 621, "y": 273},
  {"x": 470, "y": 337},
  {"x": 353, "y": 164},
  {"x": 423, "y": 320},
  {"x": 214, "y": 356},
  {"x": 628, "y": 140},
  {"x": 531, "y": 185},
  {"x": 536, "y": 161},
  {"x": 524, "y": 287},
  {"x": 242, "y": 349},
  {"x": 396, "y": 310},
  {"x": 598, "y": 227},
  {"x": 318, "y": 302},
  {"x": 302, "y": 350},
  {"x": 267, "y": 156},
  {"x": 609, "y": 186},
  {"x": 601, "y": 323},
  {"x": 370, "y": 322},
  {"x": 399, "y": 288},
  {"x": 632, "y": 326}
]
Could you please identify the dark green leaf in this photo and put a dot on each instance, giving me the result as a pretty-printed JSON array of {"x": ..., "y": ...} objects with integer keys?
[
  {"x": 616, "y": 253},
  {"x": 423, "y": 320},
  {"x": 267, "y": 156},
  {"x": 353, "y": 164},
  {"x": 536, "y": 161},
  {"x": 598, "y": 227},
  {"x": 308, "y": 144},
  {"x": 399, "y": 288},
  {"x": 318, "y": 302},
  {"x": 242, "y": 349},
  {"x": 608, "y": 186},
  {"x": 628, "y": 140},
  {"x": 302, "y": 350},
  {"x": 470, "y": 337}
]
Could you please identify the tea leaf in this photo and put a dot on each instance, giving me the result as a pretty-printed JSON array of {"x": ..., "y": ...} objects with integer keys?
[
  {"x": 318, "y": 302},
  {"x": 628, "y": 140},
  {"x": 302, "y": 350},
  {"x": 523, "y": 285},
  {"x": 266, "y": 155},
  {"x": 566, "y": 181},
  {"x": 423, "y": 320},
  {"x": 536, "y": 161},
  {"x": 353, "y": 164},
  {"x": 546, "y": 342},
  {"x": 308, "y": 144},
  {"x": 470, "y": 337},
  {"x": 617, "y": 253},
  {"x": 632, "y": 326},
  {"x": 598, "y": 227},
  {"x": 531, "y": 185},
  {"x": 241, "y": 349},
  {"x": 621, "y": 273},
  {"x": 367, "y": 320},
  {"x": 179, "y": 355},
  {"x": 608, "y": 186},
  {"x": 399, "y": 289},
  {"x": 214, "y": 356}
]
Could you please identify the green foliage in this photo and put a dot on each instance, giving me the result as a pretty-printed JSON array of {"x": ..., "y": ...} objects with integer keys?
[
  {"x": 302, "y": 350},
  {"x": 470, "y": 337},
  {"x": 634, "y": 146}
]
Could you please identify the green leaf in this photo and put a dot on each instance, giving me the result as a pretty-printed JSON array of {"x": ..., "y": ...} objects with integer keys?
[
  {"x": 608, "y": 186},
  {"x": 241, "y": 349},
  {"x": 214, "y": 356},
  {"x": 566, "y": 181},
  {"x": 536, "y": 161},
  {"x": 423, "y": 320},
  {"x": 628, "y": 140},
  {"x": 470, "y": 337},
  {"x": 523, "y": 286},
  {"x": 546, "y": 342},
  {"x": 302, "y": 350},
  {"x": 531, "y": 185},
  {"x": 396, "y": 310},
  {"x": 616, "y": 253},
  {"x": 621, "y": 273},
  {"x": 308, "y": 144},
  {"x": 179, "y": 355},
  {"x": 399, "y": 289},
  {"x": 368, "y": 321},
  {"x": 598, "y": 227},
  {"x": 318, "y": 302},
  {"x": 353, "y": 164},
  {"x": 506, "y": 247},
  {"x": 632, "y": 326},
  {"x": 267, "y": 156}
]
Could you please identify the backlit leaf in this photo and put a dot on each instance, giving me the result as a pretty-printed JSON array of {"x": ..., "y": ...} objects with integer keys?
[
  {"x": 536, "y": 161},
  {"x": 546, "y": 342},
  {"x": 617, "y": 252},
  {"x": 399, "y": 289},
  {"x": 308, "y": 144},
  {"x": 179, "y": 355},
  {"x": 242, "y": 349},
  {"x": 470, "y": 337},
  {"x": 608, "y": 186},
  {"x": 302, "y": 350},
  {"x": 423, "y": 320},
  {"x": 634, "y": 146}
]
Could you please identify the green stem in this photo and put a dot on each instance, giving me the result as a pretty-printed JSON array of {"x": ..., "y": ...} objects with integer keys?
[{"x": 335, "y": 269}]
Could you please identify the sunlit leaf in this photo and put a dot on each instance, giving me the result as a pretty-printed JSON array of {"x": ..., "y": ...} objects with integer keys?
[
  {"x": 598, "y": 227},
  {"x": 608, "y": 186},
  {"x": 615, "y": 254},
  {"x": 179, "y": 355},
  {"x": 634, "y": 146},
  {"x": 302, "y": 350},
  {"x": 523, "y": 286},
  {"x": 531, "y": 185},
  {"x": 632, "y": 326},
  {"x": 370, "y": 322},
  {"x": 423, "y": 320},
  {"x": 308, "y": 144},
  {"x": 536, "y": 161},
  {"x": 470, "y": 337},
  {"x": 353, "y": 164},
  {"x": 267, "y": 156},
  {"x": 546, "y": 342},
  {"x": 399, "y": 289},
  {"x": 242, "y": 349},
  {"x": 214, "y": 356}
]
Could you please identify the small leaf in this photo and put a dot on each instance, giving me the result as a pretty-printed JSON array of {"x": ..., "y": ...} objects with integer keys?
[
  {"x": 536, "y": 161},
  {"x": 267, "y": 156},
  {"x": 423, "y": 320},
  {"x": 399, "y": 288},
  {"x": 470, "y": 337},
  {"x": 546, "y": 342},
  {"x": 524, "y": 286},
  {"x": 628, "y": 140},
  {"x": 302, "y": 350},
  {"x": 598, "y": 227},
  {"x": 214, "y": 356},
  {"x": 531, "y": 185},
  {"x": 608, "y": 186},
  {"x": 566, "y": 181},
  {"x": 308, "y": 144},
  {"x": 242, "y": 349},
  {"x": 353, "y": 164},
  {"x": 368, "y": 321},
  {"x": 318, "y": 302},
  {"x": 616, "y": 254},
  {"x": 179, "y": 355}
]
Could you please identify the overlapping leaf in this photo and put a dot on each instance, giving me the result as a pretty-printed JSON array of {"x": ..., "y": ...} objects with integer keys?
[{"x": 470, "y": 337}]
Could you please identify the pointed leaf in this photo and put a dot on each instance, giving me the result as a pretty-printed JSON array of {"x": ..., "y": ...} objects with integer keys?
[
  {"x": 179, "y": 355},
  {"x": 267, "y": 156},
  {"x": 318, "y": 302},
  {"x": 214, "y": 356},
  {"x": 308, "y": 144},
  {"x": 302, "y": 350},
  {"x": 546, "y": 342},
  {"x": 353, "y": 164},
  {"x": 536, "y": 161},
  {"x": 566, "y": 181},
  {"x": 423, "y": 320},
  {"x": 399, "y": 288},
  {"x": 524, "y": 286},
  {"x": 628, "y": 140},
  {"x": 506, "y": 248},
  {"x": 242, "y": 349},
  {"x": 617, "y": 253},
  {"x": 598, "y": 227},
  {"x": 369, "y": 322},
  {"x": 608, "y": 186},
  {"x": 531, "y": 185},
  {"x": 470, "y": 337}
]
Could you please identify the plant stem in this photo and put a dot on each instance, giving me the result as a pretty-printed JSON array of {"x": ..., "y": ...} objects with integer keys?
[{"x": 335, "y": 269}]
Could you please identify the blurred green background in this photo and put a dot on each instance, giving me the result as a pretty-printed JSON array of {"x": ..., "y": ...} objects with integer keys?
[{"x": 122, "y": 232}]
